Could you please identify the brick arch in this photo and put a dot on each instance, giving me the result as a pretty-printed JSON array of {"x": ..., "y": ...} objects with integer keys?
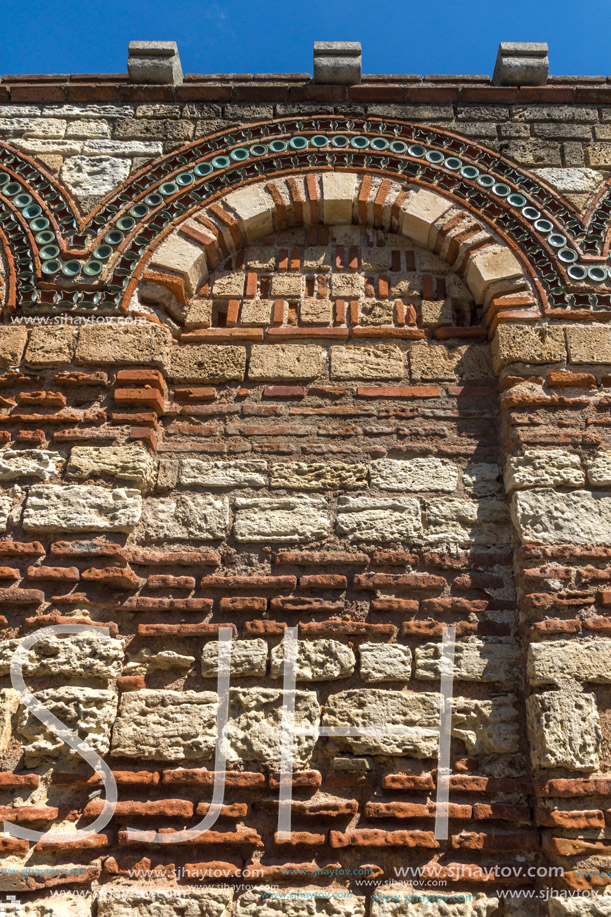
[{"x": 497, "y": 273}]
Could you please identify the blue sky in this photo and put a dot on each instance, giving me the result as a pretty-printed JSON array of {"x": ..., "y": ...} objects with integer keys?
[{"x": 246, "y": 36}]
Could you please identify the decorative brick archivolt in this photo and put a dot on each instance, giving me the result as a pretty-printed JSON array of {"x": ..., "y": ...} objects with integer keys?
[{"x": 60, "y": 261}]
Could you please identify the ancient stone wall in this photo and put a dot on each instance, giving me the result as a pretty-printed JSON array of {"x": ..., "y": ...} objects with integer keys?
[{"x": 282, "y": 355}]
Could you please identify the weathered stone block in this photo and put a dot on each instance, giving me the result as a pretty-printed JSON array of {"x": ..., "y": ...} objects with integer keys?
[
  {"x": 482, "y": 479},
  {"x": 248, "y": 657},
  {"x": 544, "y": 468},
  {"x": 316, "y": 311},
  {"x": 281, "y": 519},
  {"x": 438, "y": 362},
  {"x": 564, "y": 730},
  {"x": 299, "y": 902},
  {"x": 521, "y": 63},
  {"x": 491, "y": 265},
  {"x": 29, "y": 463},
  {"x": 367, "y": 361},
  {"x": 319, "y": 476},
  {"x": 13, "y": 339},
  {"x": 256, "y": 312},
  {"x": 415, "y": 474},
  {"x": 101, "y": 345},
  {"x": 51, "y": 346},
  {"x": 484, "y": 521},
  {"x": 76, "y": 655},
  {"x": 550, "y": 517},
  {"x": 379, "y": 519},
  {"x": 180, "y": 256},
  {"x": 125, "y": 463},
  {"x": 155, "y": 62},
  {"x": 92, "y": 177},
  {"x": 89, "y": 712},
  {"x": 285, "y": 362},
  {"x": 236, "y": 473},
  {"x": 377, "y": 312},
  {"x": 157, "y": 902},
  {"x": 399, "y": 901},
  {"x": 254, "y": 732},
  {"x": 9, "y": 703},
  {"x": 487, "y": 727},
  {"x": 485, "y": 660},
  {"x": 339, "y": 191},
  {"x": 347, "y": 286},
  {"x": 589, "y": 344},
  {"x": 199, "y": 313},
  {"x": 180, "y": 517},
  {"x": 165, "y": 725},
  {"x": 229, "y": 285},
  {"x": 81, "y": 508},
  {"x": 317, "y": 660},
  {"x": 581, "y": 906},
  {"x": 587, "y": 661},
  {"x": 337, "y": 62},
  {"x": 515, "y": 343},
  {"x": 385, "y": 662},
  {"x": 419, "y": 213},
  {"x": 254, "y": 208},
  {"x": 397, "y": 723},
  {"x": 206, "y": 363},
  {"x": 286, "y": 286},
  {"x": 598, "y": 468}
]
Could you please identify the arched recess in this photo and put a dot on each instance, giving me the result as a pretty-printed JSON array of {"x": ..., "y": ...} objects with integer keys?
[{"x": 496, "y": 272}]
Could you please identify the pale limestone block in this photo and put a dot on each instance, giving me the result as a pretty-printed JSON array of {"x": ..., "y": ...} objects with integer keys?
[
  {"x": 404, "y": 286},
  {"x": 486, "y": 660},
  {"x": 147, "y": 660},
  {"x": 571, "y": 180},
  {"x": 488, "y": 266},
  {"x": 415, "y": 474},
  {"x": 513, "y": 343},
  {"x": 51, "y": 346},
  {"x": 286, "y": 286},
  {"x": 339, "y": 191},
  {"x": 199, "y": 313},
  {"x": 487, "y": 727},
  {"x": 9, "y": 703},
  {"x": 143, "y": 149},
  {"x": 232, "y": 473},
  {"x": 281, "y": 519},
  {"x": 29, "y": 463},
  {"x": 379, "y": 519},
  {"x": 404, "y": 901},
  {"x": 125, "y": 463},
  {"x": 319, "y": 475},
  {"x": 84, "y": 129},
  {"x": 13, "y": 339},
  {"x": 377, "y": 312},
  {"x": 436, "y": 313},
  {"x": 564, "y": 730},
  {"x": 598, "y": 468},
  {"x": 285, "y": 362},
  {"x": 551, "y": 517},
  {"x": 347, "y": 286},
  {"x": 261, "y": 257},
  {"x": 81, "y": 508},
  {"x": 589, "y": 344},
  {"x": 139, "y": 344},
  {"x": 484, "y": 521},
  {"x": 317, "y": 258},
  {"x": 65, "y": 904},
  {"x": 92, "y": 176},
  {"x": 181, "y": 517},
  {"x": 254, "y": 209},
  {"x": 385, "y": 662},
  {"x": 316, "y": 311},
  {"x": 299, "y": 902},
  {"x": 162, "y": 725},
  {"x": 157, "y": 902},
  {"x": 317, "y": 660},
  {"x": 254, "y": 733},
  {"x": 415, "y": 717},
  {"x": 482, "y": 479},
  {"x": 543, "y": 468},
  {"x": 582, "y": 905},
  {"x": 90, "y": 712},
  {"x": 75, "y": 655},
  {"x": 207, "y": 363},
  {"x": 585, "y": 661},
  {"x": 438, "y": 362},
  {"x": 229, "y": 285},
  {"x": 375, "y": 259},
  {"x": 10, "y": 505},
  {"x": 366, "y": 361},
  {"x": 418, "y": 214},
  {"x": 248, "y": 658},
  {"x": 180, "y": 256},
  {"x": 256, "y": 312}
]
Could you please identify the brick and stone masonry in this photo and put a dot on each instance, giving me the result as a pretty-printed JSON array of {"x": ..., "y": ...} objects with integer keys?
[{"x": 333, "y": 354}]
